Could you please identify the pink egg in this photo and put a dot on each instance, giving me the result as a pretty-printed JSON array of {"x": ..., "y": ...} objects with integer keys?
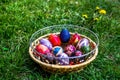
[
  {"x": 78, "y": 53},
  {"x": 69, "y": 50}
]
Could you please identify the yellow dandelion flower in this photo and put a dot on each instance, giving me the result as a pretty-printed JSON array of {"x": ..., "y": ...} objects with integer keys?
[
  {"x": 96, "y": 19},
  {"x": 102, "y": 11},
  {"x": 85, "y": 15},
  {"x": 97, "y": 8}
]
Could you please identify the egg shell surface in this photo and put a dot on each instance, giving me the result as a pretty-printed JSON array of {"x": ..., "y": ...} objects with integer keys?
[
  {"x": 69, "y": 50},
  {"x": 74, "y": 39},
  {"x": 63, "y": 59},
  {"x": 85, "y": 49},
  {"x": 78, "y": 53},
  {"x": 55, "y": 40},
  {"x": 57, "y": 50},
  {"x": 50, "y": 56},
  {"x": 82, "y": 42},
  {"x": 64, "y": 35},
  {"x": 46, "y": 42},
  {"x": 42, "y": 49}
]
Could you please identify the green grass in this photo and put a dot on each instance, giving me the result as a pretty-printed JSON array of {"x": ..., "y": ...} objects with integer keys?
[{"x": 19, "y": 19}]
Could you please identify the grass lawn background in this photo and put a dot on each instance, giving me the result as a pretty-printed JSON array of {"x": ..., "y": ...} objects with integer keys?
[{"x": 19, "y": 19}]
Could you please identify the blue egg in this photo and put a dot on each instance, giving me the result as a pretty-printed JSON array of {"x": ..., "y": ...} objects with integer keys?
[{"x": 64, "y": 35}]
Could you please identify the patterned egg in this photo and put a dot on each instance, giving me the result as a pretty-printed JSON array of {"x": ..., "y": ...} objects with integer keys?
[
  {"x": 55, "y": 40},
  {"x": 42, "y": 49},
  {"x": 64, "y": 35},
  {"x": 85, "y": 49},
  {"x": 57, "y": 50},
  {"x": 47, "y": 43},
  {"x": 82, "y": 42},
  {"x": 74, "y": 39},
  {"x": 63, "y": 59},
  {"x": 50, "y": 57},
  {"x": 78, "y": 53},
  {"x": 69, "y": 50}
]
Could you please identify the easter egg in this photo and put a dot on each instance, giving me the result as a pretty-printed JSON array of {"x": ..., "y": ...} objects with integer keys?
[
  {"x": 64, "y": 35},
  {"x": 71, "y": 63},
  {"x": 55, "y": 40},
  {"x": 85, "y": 49},
  {"x": 47, "y": 43},
  {"x": 63, "y": 59},
  {"x": 57, "y": 50},
  {"x": 42, "y": 49},
  {"x": 74, "y": 39},
  {"x": 69, "y": 50},
  {"x": 82, "y": 42},
  {"x": 50, "y": 57},
  {"x": 78, "y": 53}
]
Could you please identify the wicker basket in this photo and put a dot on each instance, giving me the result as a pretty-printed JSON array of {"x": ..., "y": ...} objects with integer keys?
[{"x": 54, "y": 68}]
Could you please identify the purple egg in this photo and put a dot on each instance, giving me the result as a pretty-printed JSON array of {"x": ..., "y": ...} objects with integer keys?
[
  {"x": 50, "y": 56},
  {"x": 82, "y": 42},
  {"x": 63, "y": 59},
  {"x": 69, "y": 50},
  {"x": 47, "y": 43},
  {"x": 78, "y": 53}
]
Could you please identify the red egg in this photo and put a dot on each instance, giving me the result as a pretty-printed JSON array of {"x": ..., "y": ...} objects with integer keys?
[
  {"x": 55, "y": 40},
  {"x": 71, "y": 63},
  {"x": 42, "y": 49},
  {"x": 74, "y": 39}
]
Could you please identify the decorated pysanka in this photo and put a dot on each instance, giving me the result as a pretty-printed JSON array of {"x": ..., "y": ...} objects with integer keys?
[
  {"x": 41, "y": 49},
  {"x": 69, "y": 50},
  {"x": 74, "y": 39},
  {"x": 47, "y": 43},
  {"x": 82, "y": 42},
  {"x": 52, "y": 47}
]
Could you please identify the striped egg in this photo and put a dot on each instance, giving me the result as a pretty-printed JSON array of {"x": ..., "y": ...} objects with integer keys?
[
  {"x": 57, "y": 50},
  {"x": 82, "y": 42}
]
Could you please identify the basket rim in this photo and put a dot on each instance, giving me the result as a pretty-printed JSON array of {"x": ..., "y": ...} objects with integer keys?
[
  {"x": 63, "y": 66},
  {"x": 96, "y": 44}
]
